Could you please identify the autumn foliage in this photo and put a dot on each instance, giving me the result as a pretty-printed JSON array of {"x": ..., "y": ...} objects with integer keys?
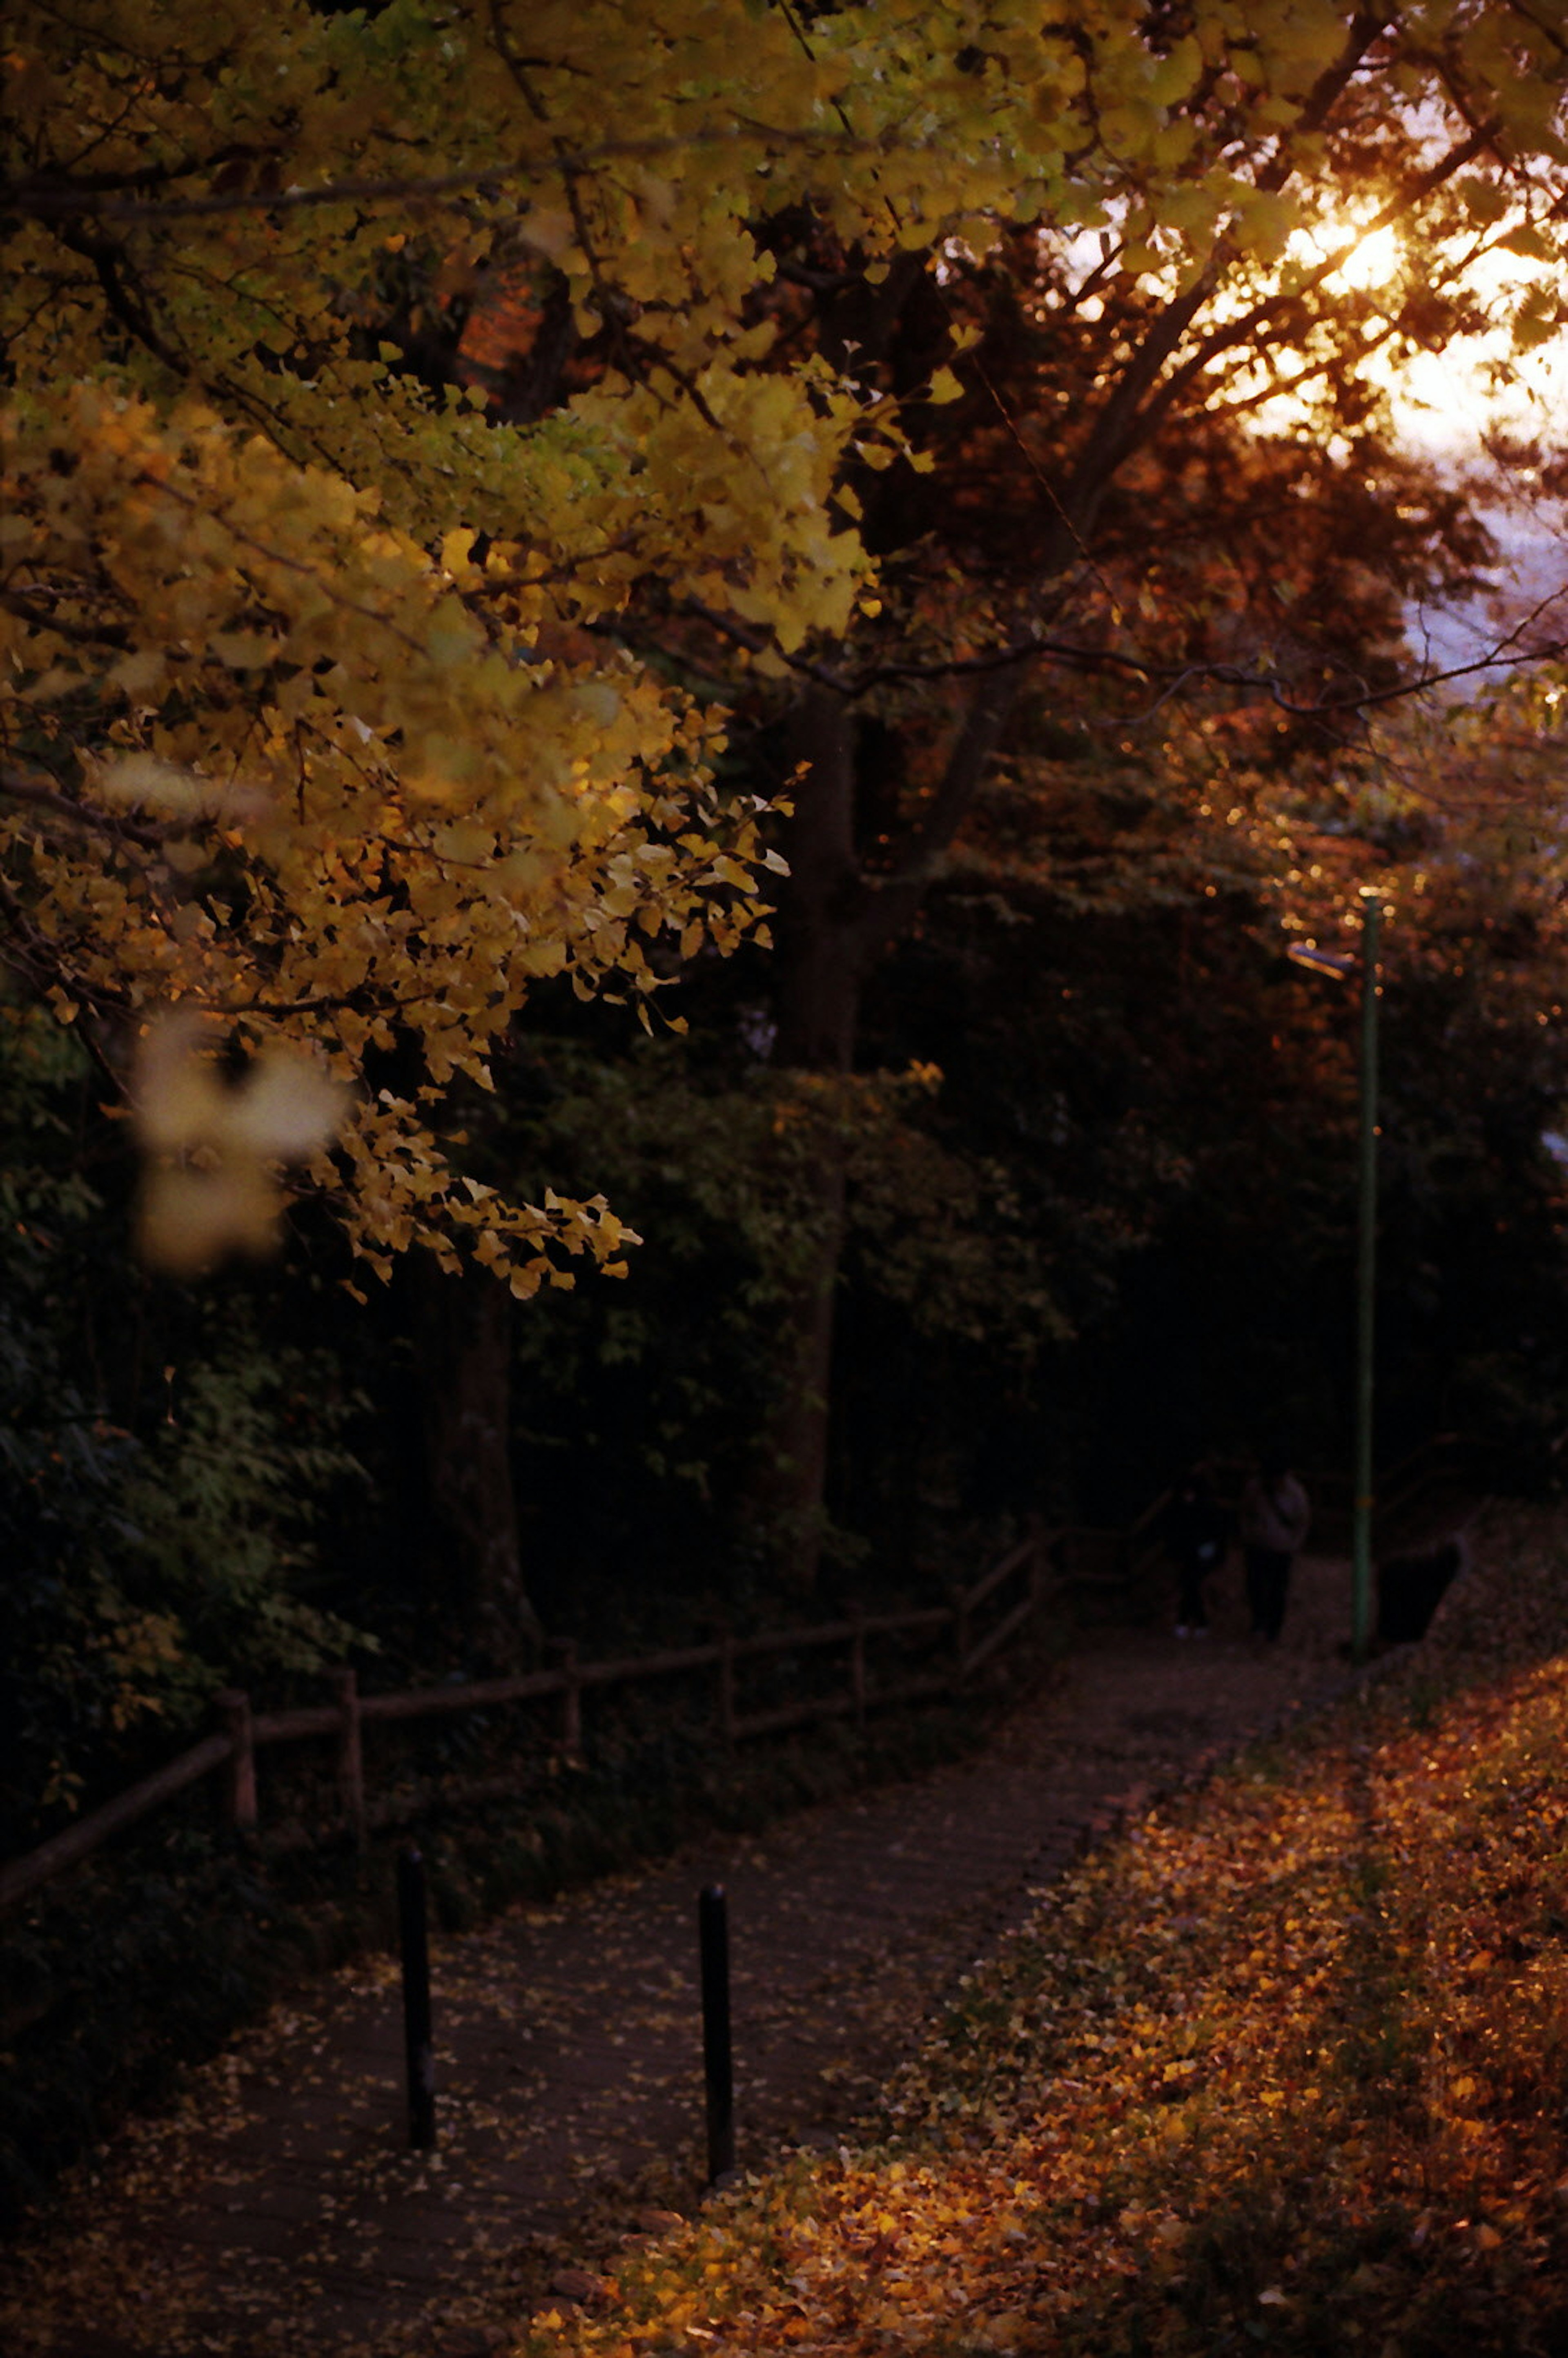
[
  {"x": 1282, "y": 2067},
  {"x": 509, "y": 503},
  {"x": 343, "y": 703}
]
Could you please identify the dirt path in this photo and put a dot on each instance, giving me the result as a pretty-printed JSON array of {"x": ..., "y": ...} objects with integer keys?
[{"x": 279, "y": 2211}]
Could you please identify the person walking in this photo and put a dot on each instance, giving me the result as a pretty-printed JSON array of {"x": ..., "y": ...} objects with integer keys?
[
  {"x": 1275, "y": 1517},
  {"x": 1193, "y": 1533}
]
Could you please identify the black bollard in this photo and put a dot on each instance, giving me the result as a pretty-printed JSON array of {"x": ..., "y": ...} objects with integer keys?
[
  {"x": 713, "y": 1937},
  {"x": 417, "y": 2048}
]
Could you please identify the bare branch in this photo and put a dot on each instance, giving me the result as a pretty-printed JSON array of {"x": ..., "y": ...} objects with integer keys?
[
  {"x": 81, "y": 634},
  {"x": 27, "y": 786},
  {"x": 44, "y": 198}
]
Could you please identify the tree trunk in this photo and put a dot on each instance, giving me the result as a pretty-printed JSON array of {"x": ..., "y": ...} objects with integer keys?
[
  {"x": 818, "y": 962},
  {"x": 817, "y": 983},
  {"x": 797, "y": 1483},
  {"x": 472, "y": 1560}
]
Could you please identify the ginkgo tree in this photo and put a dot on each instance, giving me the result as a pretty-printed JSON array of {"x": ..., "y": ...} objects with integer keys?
[
  {"x": 321, "y": 742},
  {"x": 351, "y": 687},
  {"x": 308, "y": 761}
]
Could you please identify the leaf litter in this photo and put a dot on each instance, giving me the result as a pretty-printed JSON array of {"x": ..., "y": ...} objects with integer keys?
[
  {"x": 1282, "y": 2067},
  {"x": 1269, "y": 2064}
]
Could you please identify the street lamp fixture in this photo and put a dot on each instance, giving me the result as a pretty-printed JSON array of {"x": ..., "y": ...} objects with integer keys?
[
  {"x": 1324, "y": 961},
  {"x": 1341, "y": 967}
]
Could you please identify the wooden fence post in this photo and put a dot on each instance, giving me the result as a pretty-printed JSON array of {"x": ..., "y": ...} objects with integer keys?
[
  {"x": 234, "y": 1706},
  {"x": 351, "y": 1751}
]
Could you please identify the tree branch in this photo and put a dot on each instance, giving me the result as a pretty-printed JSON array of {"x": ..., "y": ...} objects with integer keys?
[
  {"x": 47, "y": 199},
  {"x": 81, "y": 634},
  {"x": 24, "y": 786}
]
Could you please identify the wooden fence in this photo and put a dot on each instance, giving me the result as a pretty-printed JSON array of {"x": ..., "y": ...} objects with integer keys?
[
  {"x": 1437, "y": 1469},
  {"x": 1116, "y": 1572},
  {"x": 968, "y": 1631},
  {"x": 1103, "y": 1572}
]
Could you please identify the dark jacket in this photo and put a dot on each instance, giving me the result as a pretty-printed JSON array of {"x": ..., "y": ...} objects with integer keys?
[
  {"x": 1275, "y": 1515},
  {"x": 1193, "y": 1527}
]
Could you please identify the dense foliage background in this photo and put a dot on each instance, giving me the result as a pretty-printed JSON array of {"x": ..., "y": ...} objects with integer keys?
[
  {"x": 1100, "y": 1216},
  {"x": 878, "y": 540}
]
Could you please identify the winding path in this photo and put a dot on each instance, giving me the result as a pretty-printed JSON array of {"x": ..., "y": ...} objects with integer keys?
[{"x": 278, "y": 2210}]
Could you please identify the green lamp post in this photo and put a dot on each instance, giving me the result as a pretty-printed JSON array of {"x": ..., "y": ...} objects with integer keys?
[{"x": 1333, "y": 962}]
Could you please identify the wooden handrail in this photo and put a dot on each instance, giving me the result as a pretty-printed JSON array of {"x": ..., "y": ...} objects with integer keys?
[
  {"x": 469, "y": 1694},
  {"x": 23, "y": 1875},
  {"x": 292, "y": 1727},
  {"x": 236, "y": 1744},
  {"x": 1005, "y": 1629},
  {"x": 345, "y": 1717},
  {"x": 999, "y": 1572},
  {"x": 1405, "y": 1480},
  {"x": 1150, "y": 1515}
]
